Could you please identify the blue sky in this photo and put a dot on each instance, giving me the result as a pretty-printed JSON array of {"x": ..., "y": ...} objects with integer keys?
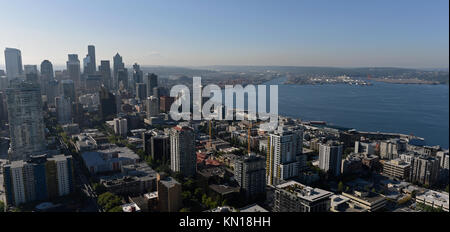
[{"x": 402, "y": 33}]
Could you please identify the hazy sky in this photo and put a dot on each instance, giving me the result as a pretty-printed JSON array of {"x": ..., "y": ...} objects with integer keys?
[{"x": 402, "y": 33}]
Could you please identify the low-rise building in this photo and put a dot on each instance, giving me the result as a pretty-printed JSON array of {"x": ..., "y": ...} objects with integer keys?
[
  {"x": 437, "y": 200},
  {"x": 295, "y": 197},
  {"x": 397, "y": 168},
  {"x": 367, "y": 200}
]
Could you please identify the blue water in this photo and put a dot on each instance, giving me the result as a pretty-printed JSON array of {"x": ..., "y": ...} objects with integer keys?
[{"x": 421, "y": 110}]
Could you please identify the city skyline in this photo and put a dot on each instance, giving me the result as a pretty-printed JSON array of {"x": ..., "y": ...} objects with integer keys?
[{"x": 219, "y": 33}]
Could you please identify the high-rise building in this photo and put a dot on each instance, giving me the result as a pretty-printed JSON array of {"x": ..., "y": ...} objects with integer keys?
[
  {"x": 73, "y": 70},
  {"x": 13, "y": 63},
  {"x": 108, "y": 106},
  {"x": 67, "y": 89},
  {"x": 152, "y": 82},
  {"x": 330, "y": 157},
  {"x": 37, "y": 179},
  {"x": 157, "y": 145},
  {"x": 284, "y": 147},
  {"x": 63, "y": 109},
  {"x": 165, "y": 102},
  {"x": 47, "y": 75},
  {"x": 30, "y": 69},
  {"x": 90, "y": 66},
  {"x": 117, "y": 65},
  {"x": 424, "y": 170},
  {"x": 122, "y": 79},
  {"x": 138, "y": 76},
  {"x": 53, "y": 88},
  {"x": 141, "y": 91},
  {"x": 120, "y": 126},
  {"x": 250, "y": 173},
  {"x": 169, "y": 193},
  {"x": 182, "y": 150},
  {"x": 152, "y": 107},
  {"x": 105, "y": 71},
  {"x": 26, "y": 123}
]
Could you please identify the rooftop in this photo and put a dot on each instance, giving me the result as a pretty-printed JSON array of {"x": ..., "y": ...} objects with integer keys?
[{"x": 303, "y": 191}]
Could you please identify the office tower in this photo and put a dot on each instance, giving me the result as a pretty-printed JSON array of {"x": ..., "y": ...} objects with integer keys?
[
  {"x": 52, "y": 92},
  {"x": 122, "y": 79},
  {"x": 141, "y": 91},
  {"x": 160, "y": 147},
  {"x": 46, "y": 76},
  {"x": 156, "y": 92},
  {"x": 2, "y": 72},
  {"x": 169, "y": 193},
  {"x": 138, "y": 76},
  {"x": 117, "y": 65},
  {"x": 108, "y": 105},
  {"x": 165, "y": 103},
  {"x": 63, "y": 109},
  {"x": 397, "y": 168},
  {"x": 152, "y": 107},
  {"x": 26, "y": 123},
  {"x": 250, "y": 173},
  {"x": 120, "y": 126},
  {"x": 105, "y": 71},
  {"x": 37, "y": 179},
  {"x": 283, "y": 148},
  {"x": 295, "y": 197},
  {"x": 3, "y": 111},
  {"x": 91, "y": 64},
  {"x": 182, "y": 150},
  {"x": 391, "y": 149},
  {"x": 73, "y": 70},
  {"x": 93, "y": 82},
  {"x": 30, "y": 69},
  {"x": 424, "y": 170},
  {"x": 330, "y": 157},
  {"x": 13, "y": 63},
  {"x": 67, "y": 88},
  {"x": 152, "y": 82}
]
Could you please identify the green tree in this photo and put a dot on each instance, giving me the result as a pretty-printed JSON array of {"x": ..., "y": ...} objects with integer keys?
[
  {"x": 2, "y": 206},
  {"x": 446, "y": 188},
  {"x": 340, "y": 187},
  {"x": 116, "y": 209},
  {"x": 184, "y": 210}
]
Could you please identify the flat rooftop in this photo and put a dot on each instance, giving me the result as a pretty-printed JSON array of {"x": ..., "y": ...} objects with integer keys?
[{"x": 303, "y": 191}]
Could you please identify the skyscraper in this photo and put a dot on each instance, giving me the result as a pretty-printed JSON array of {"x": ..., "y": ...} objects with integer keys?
[
  {"x": 13, "y": 62},
  {"x": 283, "y": 148},
  {"x": 63, "y": 109},
  {"x": 26, "y": 124},
  {"x": 137, "y": 76},
  {"x": 330, "y": 157},
  {"x": 152, "y": 107},
  {"x": 46, "y": 76},
  {"x": 73, "y": 70},
  {"x": 92, "y": 64},
  {"x": 152, "y": 82},
  {"x": 67, "y": 89},
  {"x": 105, "y": 71},
  {"x": 141, "y": 91},
  {"x": 122, "y": 79},
  {"x": 117, "y": 65},
  {"x": 250, "y": 173},
  {"x": 108, "y": 104},
  {"x": 30, "y": 69},
  {"x": 182, "y": 150}
]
